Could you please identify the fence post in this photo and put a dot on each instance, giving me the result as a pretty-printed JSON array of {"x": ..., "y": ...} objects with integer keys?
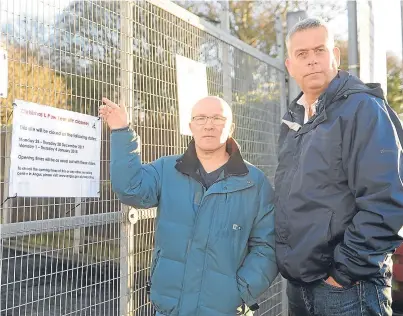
[
  {"x": 126, "y": 305},
  {"x": 293, "y": 90},
  {"x": 292, "y": 19},
  {"x": 78, "y": 233},
  {"x": 353, "y": 64},
  {"x": 5, "y": 212},
  {"x": 226, "y": 66},
  {"x": 6, "y": 208},
  {"x": 281, "y": 57},
  {"x": 283, "y": 109}
]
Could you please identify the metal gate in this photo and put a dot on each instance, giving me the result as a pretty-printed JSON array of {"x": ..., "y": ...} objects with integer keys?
[{"x": 73, "y": 256}]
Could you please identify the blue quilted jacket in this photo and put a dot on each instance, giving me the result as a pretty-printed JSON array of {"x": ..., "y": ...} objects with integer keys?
[{"x": 214, "y": 249}]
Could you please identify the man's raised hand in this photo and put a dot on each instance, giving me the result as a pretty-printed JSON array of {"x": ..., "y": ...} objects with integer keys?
[{"x": 113, "y": 114}]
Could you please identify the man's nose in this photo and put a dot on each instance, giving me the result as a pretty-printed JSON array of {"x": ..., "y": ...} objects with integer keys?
[
  {"x": 208, "y": 127},
  {"x": 209, "y": 124},
  {"x": 312, "y": 59}
]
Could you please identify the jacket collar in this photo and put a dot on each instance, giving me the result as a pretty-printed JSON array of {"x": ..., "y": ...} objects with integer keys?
[
  {"x": 189, "y": 164},
  {"x": 339, "y": 85},
  {"x": 296, "y": 111}
]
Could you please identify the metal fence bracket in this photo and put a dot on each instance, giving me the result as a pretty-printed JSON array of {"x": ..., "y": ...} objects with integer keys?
[{"x": 133, "y": 216}]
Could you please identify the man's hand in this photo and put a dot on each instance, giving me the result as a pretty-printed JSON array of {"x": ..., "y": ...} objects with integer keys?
[
  {"x": 114, "y": 115},
  {"x": 333, "y": 282}
]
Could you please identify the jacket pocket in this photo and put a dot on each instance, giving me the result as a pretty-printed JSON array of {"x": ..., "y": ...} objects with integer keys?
[
  {"x": 220, "y": 217},
  {"x": 327, "y": 254},
  {"x": 282, "y": 224},
  {"x": 384, "y": 294},
  {"x": 309, "y": 242},
  {"x": 333, "y": 288},
  {"x": 244, "y": 292},
  {"x": 155, "y": 262},
  {"x": 220, "y": 292},
  {"x": 166, "y": 286}
]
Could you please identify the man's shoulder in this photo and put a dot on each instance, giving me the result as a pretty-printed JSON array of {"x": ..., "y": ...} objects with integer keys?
[
  {"x": 255, "y": 173},
  {"x": 169, "y": 159},
  {"x": 362, "y": 101},
  {"x": 364, "y": 96}
]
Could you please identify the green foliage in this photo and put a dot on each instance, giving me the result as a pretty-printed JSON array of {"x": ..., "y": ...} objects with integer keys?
[
  {"x": 254, "y": 21},
  {"x": 395, "y": 83},
  {"x": 30, "y": 81}
]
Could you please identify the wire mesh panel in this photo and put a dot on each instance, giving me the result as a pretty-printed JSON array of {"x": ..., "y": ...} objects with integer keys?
[
  {"x": 60, "y": 256},
  {"x": 76, "y": 256}
]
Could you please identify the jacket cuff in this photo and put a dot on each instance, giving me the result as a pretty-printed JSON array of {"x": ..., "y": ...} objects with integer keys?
[
  {"x": 341, "y": 277},
  {"x": 246, "y": 296},
  {"x": 126, "y": 128}
]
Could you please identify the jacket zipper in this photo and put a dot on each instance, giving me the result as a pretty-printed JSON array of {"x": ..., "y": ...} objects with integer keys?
[
  {"x": 189, "y": 244},
  {"x": 204, "y": 263},
  {"x": 207, "y": 242},
  {"x": 191, "y": 240}
]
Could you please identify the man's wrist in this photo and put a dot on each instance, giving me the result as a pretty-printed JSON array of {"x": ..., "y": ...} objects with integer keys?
[
  {"x": 120, "y": 129},
  {"x": 341, "y": 278}
]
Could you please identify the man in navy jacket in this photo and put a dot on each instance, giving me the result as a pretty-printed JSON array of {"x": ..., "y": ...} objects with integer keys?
[{"x": 339, "y": 192}]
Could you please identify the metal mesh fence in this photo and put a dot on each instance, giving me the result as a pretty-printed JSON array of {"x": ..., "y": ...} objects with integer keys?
[{"x": 73, "y": 256}]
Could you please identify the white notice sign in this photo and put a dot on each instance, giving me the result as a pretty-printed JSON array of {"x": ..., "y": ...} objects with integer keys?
[
  {"x": 191, "y": 79},
  {"x": 54, "y": 152},
  {"x": 3, "y": 73}
]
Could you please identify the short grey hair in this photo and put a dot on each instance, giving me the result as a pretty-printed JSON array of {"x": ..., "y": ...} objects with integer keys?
[{"x": 306, "y": 24}]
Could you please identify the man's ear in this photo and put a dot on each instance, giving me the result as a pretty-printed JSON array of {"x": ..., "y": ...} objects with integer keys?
[
  {"x": 232, "y": 129},
  {"x": 336, "y": 52},
  {"x": 288, "y": 65},
  {"x": 190, "y": 127}
]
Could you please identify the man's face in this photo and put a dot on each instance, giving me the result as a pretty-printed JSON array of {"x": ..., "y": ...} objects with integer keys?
[
  {"x": 313, "y": 60},
  {"x": 211, "y": 124}
]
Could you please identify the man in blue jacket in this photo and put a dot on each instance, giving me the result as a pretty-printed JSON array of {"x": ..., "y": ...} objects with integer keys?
[
  {"x": 214, "y": 238},
  {"x": 339, "y": 192}
]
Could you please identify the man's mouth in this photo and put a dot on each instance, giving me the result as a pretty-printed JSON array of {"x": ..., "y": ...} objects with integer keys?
[{"x": 312, "y": 73}]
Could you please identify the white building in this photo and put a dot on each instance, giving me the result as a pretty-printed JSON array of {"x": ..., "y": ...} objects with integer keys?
[{"x": 371, "y": 38}]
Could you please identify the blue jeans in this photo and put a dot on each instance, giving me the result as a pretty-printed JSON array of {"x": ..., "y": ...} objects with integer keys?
[{"x": 322, "y": 299}]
